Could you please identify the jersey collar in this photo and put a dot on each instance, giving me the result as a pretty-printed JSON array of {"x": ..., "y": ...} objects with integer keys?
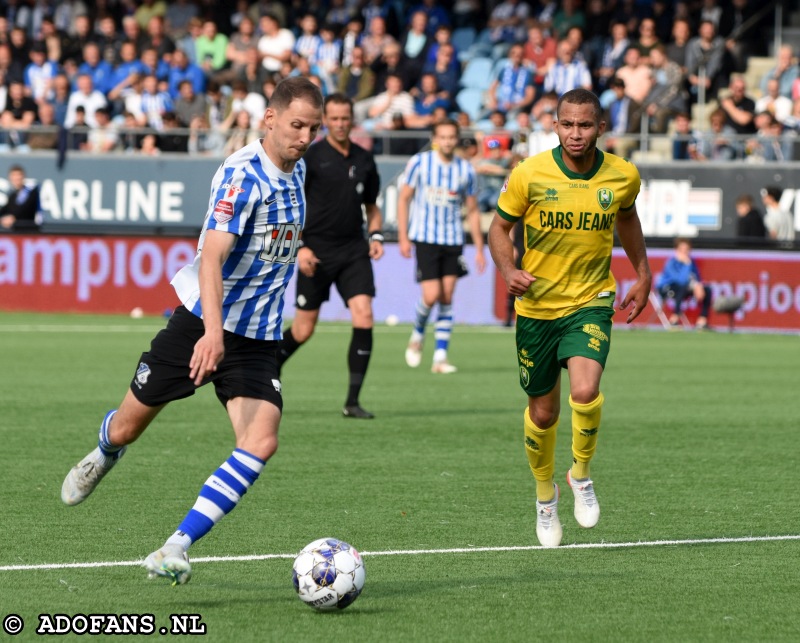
[{"x": 598, "y": 161}]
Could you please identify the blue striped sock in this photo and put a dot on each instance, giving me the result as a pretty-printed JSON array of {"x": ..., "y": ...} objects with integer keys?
[
  {"x": 422, "y": 313},
  {"x": 106, "y": 448},
  {"x": 219, "y": 495},
  {"x": 444, "y": 326}
]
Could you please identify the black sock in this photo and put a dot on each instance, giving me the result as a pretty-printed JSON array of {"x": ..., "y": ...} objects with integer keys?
[
  {"x": 357, "y": 361},
  {"x": 286, "y": 348}
]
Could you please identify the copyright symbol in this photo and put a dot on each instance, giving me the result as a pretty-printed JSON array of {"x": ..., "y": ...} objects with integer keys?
[{"x": 13, "y": 624}]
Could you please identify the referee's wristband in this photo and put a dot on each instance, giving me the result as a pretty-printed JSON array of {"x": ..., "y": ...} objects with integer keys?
[{"x": 376, "y": 236}]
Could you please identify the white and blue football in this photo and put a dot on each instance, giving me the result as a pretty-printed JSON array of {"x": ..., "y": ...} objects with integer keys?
[{"x": 328, "y": 574}]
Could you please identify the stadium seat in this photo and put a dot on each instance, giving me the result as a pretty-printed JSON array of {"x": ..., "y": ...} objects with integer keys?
[
  {"x": 477, "y": 74},
  {"x": 463, "y": 38},
  {"x": 470, "y": 100},
  {"x": 498, "y": 67}
]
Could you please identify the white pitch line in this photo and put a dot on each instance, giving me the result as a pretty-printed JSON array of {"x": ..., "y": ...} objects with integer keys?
[
  {"x": 420, "y": 552},
  {"x": 73, "y": 328},
  {"x": 154, "y": 326}
]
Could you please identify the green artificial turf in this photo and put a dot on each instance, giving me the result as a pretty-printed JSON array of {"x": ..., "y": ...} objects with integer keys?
[{"x": 698, "y": 443}]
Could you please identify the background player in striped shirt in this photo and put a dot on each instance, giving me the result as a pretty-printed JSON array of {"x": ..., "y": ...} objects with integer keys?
[
  {"x": 570, "y": 200},
  {"x": 227, "y": 329},
  {"x": 436, "y": 185}
]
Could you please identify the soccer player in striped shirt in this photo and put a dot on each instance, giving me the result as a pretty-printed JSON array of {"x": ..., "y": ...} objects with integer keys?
[
  {"x": 436, "y": 185},
  {"x": 227, "y": 329},
  {"x": 570, "y": 200}
]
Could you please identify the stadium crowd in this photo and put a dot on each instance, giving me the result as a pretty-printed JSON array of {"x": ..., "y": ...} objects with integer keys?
[{"x": 195, "y": 76}]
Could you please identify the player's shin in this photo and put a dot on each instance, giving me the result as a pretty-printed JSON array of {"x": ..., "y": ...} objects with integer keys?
[
  {"x": 358, "y": 361},
  {"x": 421, "y": 314},
  {"x": 585, "y": 425},
  {"x": 540, "y": 446},
  {"x": 107, "y": 449},
  {"x": 218, "y": 497},
  {"x": 444, "y": 329}
]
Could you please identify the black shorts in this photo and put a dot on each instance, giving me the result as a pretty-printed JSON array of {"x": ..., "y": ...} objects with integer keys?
[
  {"x": 435, "y": 261},
  {"x": 248, "y": 369},
  {"x": 347, "y": 265}
]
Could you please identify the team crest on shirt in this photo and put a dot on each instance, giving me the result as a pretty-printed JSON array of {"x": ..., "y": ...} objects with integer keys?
[
  {"x": 505, "y": 186},
  {"x": 605, "y": 197},
  {"x": 142, "y": 374}
]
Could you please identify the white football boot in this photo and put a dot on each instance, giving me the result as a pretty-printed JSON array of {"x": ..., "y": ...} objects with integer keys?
[
  {"x": 171, "y": 561},
  {"x": 414, "y": 353},
  {"x": 587, "y": 509},
  {"x": 443, "y": 367},
  {"x": 87, "y": 474},
  {"x": 548, "y": 527}
]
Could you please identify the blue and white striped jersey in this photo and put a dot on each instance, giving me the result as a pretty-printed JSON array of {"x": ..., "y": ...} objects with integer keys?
[
  {"x": 440, "y": 189},
  {"x": 266, "y": 209}
]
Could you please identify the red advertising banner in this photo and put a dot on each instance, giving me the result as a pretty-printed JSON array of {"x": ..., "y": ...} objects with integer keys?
[
  {"x": 769, "y": 282},
  {"x": 90, "y": 274},
  {"x": 117, "y": 274}
]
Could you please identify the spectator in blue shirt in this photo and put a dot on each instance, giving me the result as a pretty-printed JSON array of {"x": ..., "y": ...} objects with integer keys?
[
  {"x": 680, "y": 280},
  {"x": 39, "y": 74},
  {"x": 513, "y": 90},
  {"x": 181, "y": 69},
  {"x": 437, "y": 15},
  {"x": 153, "y": 66},
  {"x": 130, "y": 67},
  {"x": 101, "y": 72},
  {"x": 447, "y": 76}
]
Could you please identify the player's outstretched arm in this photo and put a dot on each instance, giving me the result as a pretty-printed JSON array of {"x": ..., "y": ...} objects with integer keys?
[
  {"x": 502, "y": 249},
  {"x": 209, "y": 349},
  {"x": 629, "y": 229},
  {"x": 403, "y": 201}
]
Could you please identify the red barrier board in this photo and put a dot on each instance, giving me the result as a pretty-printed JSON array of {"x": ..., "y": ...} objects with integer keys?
[
  {"x": 90, "y": 274},
  {"x": 769, "y": 282}
]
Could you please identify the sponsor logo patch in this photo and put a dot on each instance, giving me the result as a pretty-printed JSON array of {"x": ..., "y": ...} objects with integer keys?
[
  {"x": 233, "y": 190},
  {"x": 223, "y": 211},
  {"x": 523, "y": 358},
  {"x": 595, "y": 331}
]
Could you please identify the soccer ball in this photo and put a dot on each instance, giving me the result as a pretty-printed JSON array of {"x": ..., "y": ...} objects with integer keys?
[{"x": 328, "y": 574}]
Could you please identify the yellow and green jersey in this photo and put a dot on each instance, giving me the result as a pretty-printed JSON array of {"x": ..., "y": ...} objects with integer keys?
[{"x": 569, "y": 229}]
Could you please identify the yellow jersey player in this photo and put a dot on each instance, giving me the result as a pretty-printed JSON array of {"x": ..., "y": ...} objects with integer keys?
[{"x": 570, "y": 200}]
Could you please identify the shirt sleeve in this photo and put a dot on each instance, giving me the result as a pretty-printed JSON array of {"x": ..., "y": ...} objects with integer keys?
[
  {"x": 373, "y": 186},
  {"x": 411, "y": 173},
  {"x": 235, "y": 196},
  {"x": 635, "y": 185},
  {"x": 513, "y": 201}
]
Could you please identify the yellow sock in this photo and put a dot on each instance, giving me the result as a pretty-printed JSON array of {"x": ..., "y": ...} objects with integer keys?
[
  {"x": 585, "y": 425},
  {"x": 540, "y": 445}
]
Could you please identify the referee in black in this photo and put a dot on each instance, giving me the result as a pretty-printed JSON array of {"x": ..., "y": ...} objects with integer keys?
[{"x": 340, "y": 177}]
